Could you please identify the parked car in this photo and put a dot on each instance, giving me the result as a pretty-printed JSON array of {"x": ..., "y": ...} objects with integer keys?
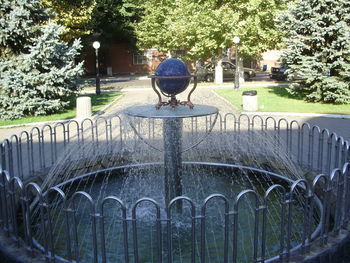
[
  {"x": 207, "y": 72},
  {"x": 278, "y": 73}
]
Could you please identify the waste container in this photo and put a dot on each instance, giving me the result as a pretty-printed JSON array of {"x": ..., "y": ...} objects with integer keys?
[
  {"x": 250, "y": 100},
  {"x": 264, "y": 67},
  {"x": 83, "y": 107}
]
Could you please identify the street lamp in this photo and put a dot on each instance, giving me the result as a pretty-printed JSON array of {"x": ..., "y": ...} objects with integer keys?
[
  {"x": 236, "y": 41},
  {"x": 96, "y": 46}
]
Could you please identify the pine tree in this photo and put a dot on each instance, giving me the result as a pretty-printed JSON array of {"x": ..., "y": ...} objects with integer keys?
[
  {"x": 37, "y": 69},
  {"x": 18, "y": 23},
  {"x": 318, "y": 49}
]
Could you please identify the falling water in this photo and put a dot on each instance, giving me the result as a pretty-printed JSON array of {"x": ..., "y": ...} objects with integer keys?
[{"x": 257, "y": 149}]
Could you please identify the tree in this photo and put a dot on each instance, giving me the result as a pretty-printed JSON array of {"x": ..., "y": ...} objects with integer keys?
[
  {"x": 109, "y": 19},
  {"x": 318, "y": 49},
  {"x": 37, "y": 69},
  {"x": 74, "y": 15},
  {"x": 114, "y": 19},
  {"x": 206, "y": 28},
  {"x": 18, "y": 20}
]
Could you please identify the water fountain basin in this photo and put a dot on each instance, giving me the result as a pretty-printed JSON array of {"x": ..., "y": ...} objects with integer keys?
[{"x": 216, "y": 177}]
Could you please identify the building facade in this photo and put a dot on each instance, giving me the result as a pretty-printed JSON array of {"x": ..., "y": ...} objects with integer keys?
[{"x": 120, "y": 58}]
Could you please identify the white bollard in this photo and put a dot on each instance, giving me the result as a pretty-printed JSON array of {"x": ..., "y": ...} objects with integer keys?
[
  {"x": 219, "y": 71},
  {"x": 83, "y": 107},
  {"x": 250, "y": 100}
]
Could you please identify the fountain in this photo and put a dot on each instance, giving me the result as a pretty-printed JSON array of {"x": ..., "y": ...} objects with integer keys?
[
  {"x": 172, "y": 77},
  {"x": 175, "y": 182}
]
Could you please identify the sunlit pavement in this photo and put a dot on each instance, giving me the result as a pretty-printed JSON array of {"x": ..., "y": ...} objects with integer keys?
[{"x": 204, "y": 95}]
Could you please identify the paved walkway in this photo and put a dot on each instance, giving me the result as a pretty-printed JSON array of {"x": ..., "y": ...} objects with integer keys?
[
  {"x": 206, "y": 96},
  {"x": 203, "y": 95},
  {"x": 147, "y": 96}
]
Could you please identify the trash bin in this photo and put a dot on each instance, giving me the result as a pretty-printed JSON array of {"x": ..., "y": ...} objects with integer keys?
[
  {"x": 264, "y": 67},
  {"x": 250, "y": 100},
  {"x": 83, "y": 107}
]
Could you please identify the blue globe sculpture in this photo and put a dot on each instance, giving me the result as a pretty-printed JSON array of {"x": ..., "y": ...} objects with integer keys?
[{"x": 172, "y": 68}]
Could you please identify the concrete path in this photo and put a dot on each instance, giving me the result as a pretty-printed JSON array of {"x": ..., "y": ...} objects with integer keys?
[
  {"x": 341, "y": 126},
  {"x": 203, "y": 95},
  {"x": 147, "y": 96}
]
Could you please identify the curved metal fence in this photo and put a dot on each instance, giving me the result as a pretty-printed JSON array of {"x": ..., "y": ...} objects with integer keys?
[{"x": 35, "y": 151}]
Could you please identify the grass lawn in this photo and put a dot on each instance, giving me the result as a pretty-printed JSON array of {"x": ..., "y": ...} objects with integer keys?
[
  {"x": 277, "y": 99},
  {"x": 97, "y": 102}
]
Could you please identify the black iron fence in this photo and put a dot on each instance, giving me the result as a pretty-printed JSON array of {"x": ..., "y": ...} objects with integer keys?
[{"x": 33, "y": 152}]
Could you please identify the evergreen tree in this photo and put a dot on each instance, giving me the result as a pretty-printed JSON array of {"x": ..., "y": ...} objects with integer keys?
[
  {"x": 18, "y": 20},
  {"x": 318, "y": 49},
  {"x": 38, "y": 72}
]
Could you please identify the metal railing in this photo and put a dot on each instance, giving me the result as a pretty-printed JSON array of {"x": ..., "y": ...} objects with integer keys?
[
  {"x": 35, "y": 151},
  {"x": 335, "y": 186}
]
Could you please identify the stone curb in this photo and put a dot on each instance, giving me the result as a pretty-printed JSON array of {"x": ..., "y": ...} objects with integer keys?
[
  {"x": 119, "y": 79},
  {"x": 124, "y": 79},
  {"x": 101, "y": 111}
]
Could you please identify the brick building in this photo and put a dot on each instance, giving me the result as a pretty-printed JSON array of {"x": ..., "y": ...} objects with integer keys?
[{"x": 120, "y": 58}]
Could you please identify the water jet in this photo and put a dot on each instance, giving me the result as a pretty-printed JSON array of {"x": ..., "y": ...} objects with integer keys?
[{"x": 250, "y": 189}]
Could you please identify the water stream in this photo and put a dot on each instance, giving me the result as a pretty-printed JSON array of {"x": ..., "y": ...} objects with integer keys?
[{"x": 257, "y": 149}]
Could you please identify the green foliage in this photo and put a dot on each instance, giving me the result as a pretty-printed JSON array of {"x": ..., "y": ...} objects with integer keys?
[
  {"x": 18, "y": 20},
  {"x": 106, "y": 19},
  {"x": 98, "y": 102},
  {"x": 317, "y": 37},
  {"x": 74, "y": 15},
  {"x": 204, "y": 28},
  {"x": 41, "y": 78},
  {"x": 113, "y": 19},
  {"x": 278, "y": 99}
]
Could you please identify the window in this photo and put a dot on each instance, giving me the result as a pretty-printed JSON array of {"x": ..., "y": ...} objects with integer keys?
[
  {"x": 226, "y": 65},
  {"x": 139, "y": 59}
]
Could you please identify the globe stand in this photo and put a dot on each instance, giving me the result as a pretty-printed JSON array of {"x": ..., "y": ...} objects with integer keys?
[
  {"x": 172, "y": 77},
  {"x": 173, "y": 102}
]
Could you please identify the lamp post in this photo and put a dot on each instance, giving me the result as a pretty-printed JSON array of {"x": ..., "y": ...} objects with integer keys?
[
  {"x": 96, "y": 46},
  {"x": 236, "y": 41}
]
